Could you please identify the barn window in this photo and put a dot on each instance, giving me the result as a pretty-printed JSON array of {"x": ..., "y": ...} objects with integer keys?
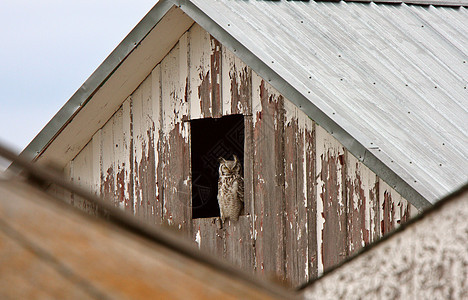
[{"x": 212, "y": 139}]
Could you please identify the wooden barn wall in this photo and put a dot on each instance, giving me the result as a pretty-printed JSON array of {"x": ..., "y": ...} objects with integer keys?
[{"x": 309, "y": 203}]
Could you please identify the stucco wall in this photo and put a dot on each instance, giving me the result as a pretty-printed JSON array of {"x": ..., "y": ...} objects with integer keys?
[{"x": 427, "y": 260}]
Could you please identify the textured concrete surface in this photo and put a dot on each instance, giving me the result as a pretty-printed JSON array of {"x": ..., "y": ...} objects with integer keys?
[{"x": 427, "y": 260}]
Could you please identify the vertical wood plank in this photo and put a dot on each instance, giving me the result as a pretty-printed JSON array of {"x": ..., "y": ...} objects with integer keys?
[
  {"x": 96, "y": 143},
  {"x": 394, "y": 209},
  {"x": 145, "y": 203},
  {"x": 208, "y": 236},
  {"x": 331, "y": 207},
  {"x": 269, "y": 181},
  {"x": 123, "y": 152},
  {"x": 298, "y": 187},
  {"x": 201, "y": 73},
  {"x": 157, "y": 133},
  {"x": 84, "y": 176},
  {"x": 68, "y": 173},
  {"x": 387, "y": 208},
  {"x": 237, "y": 85},
  {"x": 290, "y": 193},
  {"x": 248, "y": 167},
  {"x": 362, "y": 204},
  {"x": 215, "y": 71},
  {"x": 108, "y": 171},
  {"x": 239, "y": 243},
  {"x": 295, "y": 210},
  {"x": 175, "y": 148},
  {"x": 116, "y": 165},
  {"x": 310, "y": 182}
]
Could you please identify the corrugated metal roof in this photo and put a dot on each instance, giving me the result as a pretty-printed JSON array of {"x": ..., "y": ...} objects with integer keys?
[
  {"x": 388, "y": 81},
  {"x": 417, "y": 2},
  {"x": 393, "y": 78}
]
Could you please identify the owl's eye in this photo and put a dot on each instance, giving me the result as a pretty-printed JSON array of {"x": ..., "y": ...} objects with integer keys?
[{"x": 224, "y": 169}]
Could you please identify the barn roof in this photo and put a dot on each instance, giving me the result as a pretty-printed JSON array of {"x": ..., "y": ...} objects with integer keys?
[{"x": 388, "y": 81}]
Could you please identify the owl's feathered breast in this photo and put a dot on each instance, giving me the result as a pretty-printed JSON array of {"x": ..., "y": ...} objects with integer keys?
[{"x": 230, "y": 185}]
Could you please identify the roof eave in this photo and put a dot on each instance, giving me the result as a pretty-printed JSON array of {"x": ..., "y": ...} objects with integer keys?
[{"x": 82, "y": 96}]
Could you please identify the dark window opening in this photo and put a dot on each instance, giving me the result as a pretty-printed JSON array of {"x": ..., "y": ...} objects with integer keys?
[{"x": 212, "y": 139}]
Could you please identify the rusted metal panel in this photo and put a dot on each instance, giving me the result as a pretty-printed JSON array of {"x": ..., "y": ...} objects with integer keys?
[
  {"x": 331, "y": 206},
  {"x": 144, "y": 177},
  {"x": 239, "y": 243},
  {"x": 268, "y": 112},
  {"x": 362, "y": 196},
  {"x": 205, "y": 74},
  {"x": 175, "y": 146},
  {"x": 236, "y": 85}
]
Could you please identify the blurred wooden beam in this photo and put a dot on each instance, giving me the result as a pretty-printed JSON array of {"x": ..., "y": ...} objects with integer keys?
[{"x": 50, "y": 249}]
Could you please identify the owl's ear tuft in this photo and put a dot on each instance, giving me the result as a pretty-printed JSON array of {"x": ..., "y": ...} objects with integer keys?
[
  {"x": 235, "y": 158},
  {"x": 220, "y": 159}
]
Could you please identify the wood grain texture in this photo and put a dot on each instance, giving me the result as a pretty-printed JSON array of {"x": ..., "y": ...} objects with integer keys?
[
  {"x": 331, "y": 206},
  {"x": 86, "y": 172},
  {"x": 310, "y": 182},
  {"x": 144, "y": 176},
  {"x": 299, "y": 196},
  {"x": 175, "y": 146},
  {"x": 205, "y": 74},
  {"x": 394, "y": 209},
  {"x": 26, "y": 275},
  {"x": 115, "y": 150},
  {"x": 268, "y": 111},
  {"x": 208, "y": 236},
  {"x": 293, "y": 238},
  {"x": 239, "y": 243},
  {"x": 236, "y": 85},
  {"x": 248, "y": 167},
  {"x": 362, "y": 196},
  {"x": 157, "y": 134},
  {"x": 96, "y": 259}
]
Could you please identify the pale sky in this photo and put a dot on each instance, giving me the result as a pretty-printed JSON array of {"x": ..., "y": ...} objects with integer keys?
[{"x": 48, "y": 49}]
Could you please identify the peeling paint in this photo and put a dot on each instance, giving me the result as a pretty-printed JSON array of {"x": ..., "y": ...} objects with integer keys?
[
  {"x": 302, "y": 221},
  {"x": 197, "y": 238}
]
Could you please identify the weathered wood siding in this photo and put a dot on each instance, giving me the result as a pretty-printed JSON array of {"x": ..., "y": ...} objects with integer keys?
[{"x": 309, "y": 203}]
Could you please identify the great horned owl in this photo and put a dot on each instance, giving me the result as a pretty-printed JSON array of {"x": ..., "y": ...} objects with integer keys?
[{"x": 230, "y": 189}]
